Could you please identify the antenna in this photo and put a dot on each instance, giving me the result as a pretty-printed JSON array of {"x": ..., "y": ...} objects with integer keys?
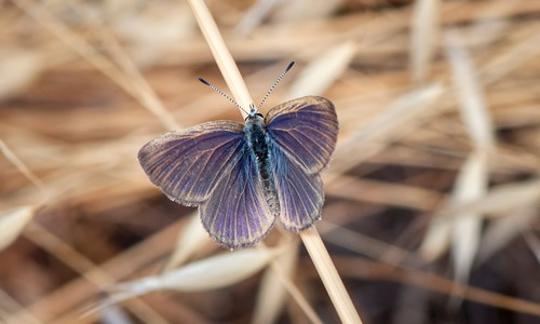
[
  {"x": 221, "y": 92},
  {"x": 276, "y": 82}
]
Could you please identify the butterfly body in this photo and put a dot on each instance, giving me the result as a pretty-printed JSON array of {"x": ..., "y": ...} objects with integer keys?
[
  {"x": 243, "y": 177},
  {"x": 259, "y": 143}
]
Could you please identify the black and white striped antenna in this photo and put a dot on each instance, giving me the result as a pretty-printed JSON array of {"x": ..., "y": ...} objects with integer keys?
[
  {"x": 221, "y": 92},
  {"x": 275, "y": 83}
]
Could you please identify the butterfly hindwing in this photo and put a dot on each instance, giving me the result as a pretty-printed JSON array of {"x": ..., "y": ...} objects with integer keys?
[
  {"x": 187, "y": 165},
  {"x": 301, "y": 195},
  {"x": 306, "y": 130},
  {"x": 237, "y": 214}
]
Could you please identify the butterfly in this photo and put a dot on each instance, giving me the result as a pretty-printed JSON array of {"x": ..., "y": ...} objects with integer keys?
[{"x": 243, "y": 177}]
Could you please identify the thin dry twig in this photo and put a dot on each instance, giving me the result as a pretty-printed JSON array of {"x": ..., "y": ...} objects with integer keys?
[
  {"x": 393, "y": 271},
  {"x": 100, "y": 62},
  {"x": 425, "y": 30},
  {"x": 295, "y": 293},
  {"x": 8, "y": 153},
  {"x": 363, "y": 268}
]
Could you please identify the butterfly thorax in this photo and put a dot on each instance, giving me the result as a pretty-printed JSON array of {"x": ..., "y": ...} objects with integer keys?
[{"x": 259, "y": 145}]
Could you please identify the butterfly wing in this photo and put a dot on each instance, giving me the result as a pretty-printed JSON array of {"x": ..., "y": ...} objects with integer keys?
[
  {"x": 237, "y": 214},
  {"x": 306, "y": 130},
  {"x": 301, "y": 195},
  {"x": 303, "y": 135},
  {"x": 187, "y": 165}
]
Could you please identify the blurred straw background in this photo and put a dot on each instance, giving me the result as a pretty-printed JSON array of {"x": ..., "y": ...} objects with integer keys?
[{"x": 432, "y": 195}]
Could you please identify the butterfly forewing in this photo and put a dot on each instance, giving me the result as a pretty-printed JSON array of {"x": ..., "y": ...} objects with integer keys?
[
  {"x": 187, "y": 165},
  {"x": 237, "y": 215},
  {"x": 306, "y": 130}
]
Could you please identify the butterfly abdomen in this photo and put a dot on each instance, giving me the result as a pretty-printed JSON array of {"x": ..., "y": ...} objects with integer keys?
[{"x": 258, "y": 142}]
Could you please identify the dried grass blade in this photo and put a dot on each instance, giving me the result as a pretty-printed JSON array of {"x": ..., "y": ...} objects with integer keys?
[
  {"x": 473, "y": 110},
  {"x": 497, "y": 201},
  {"x": 305, "y": 9},
  {"x": 221, "y": 54},
  {"x": 12, "y": 223},
  {"x": 272, "y": 293},
  {"x": 392, "y": 122},
  {"x": 383, "y": 192},
  {"x": 534, "y": 244},
  {"x": 147, "y": 94},
  {"x": 436, "y": 241},
  {"x": 80, "y": 263},
  {"x": 211, "y": 273},
  {"x": 367, "y": 269},
  {"x": 18, "y": 69},
  {"x": 526, "y": 49},
  {"x": 470, "y": 185},
  {"x": 465, "y": 230},
  {"x": 255, "y": 15},
  {"x": 88, "y": 52},
  {"x": 403, "y": 110},
  {"x": 12, "y": 306},
  {"x": 297, "y": 295},
  {"x": 323, "y": 70},
  {"x": 329, "y": 276},
  {"x": 501, "y": 231},
  {"x": 364, "y": 244},
  {"x": 191, "y": 238},
  {"x": 473, "y": 179},
  {"x": 114, "y": 315},
  {"x": 12, "y": 157},
  {"x": 425, "y": 30}
]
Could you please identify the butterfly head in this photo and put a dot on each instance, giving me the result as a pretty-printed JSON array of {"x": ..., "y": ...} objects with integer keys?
[{"x": 254, "y": 113}]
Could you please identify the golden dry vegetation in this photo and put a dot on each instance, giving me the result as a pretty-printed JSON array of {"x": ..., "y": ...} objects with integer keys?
[{"x": 432, "y": 194}]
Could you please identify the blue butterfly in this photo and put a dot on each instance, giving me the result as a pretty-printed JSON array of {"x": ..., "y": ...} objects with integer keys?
[{"x": 244, "y": 176}]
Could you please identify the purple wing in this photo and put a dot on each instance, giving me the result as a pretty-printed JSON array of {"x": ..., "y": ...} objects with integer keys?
[
  {"x": 306, "y": 130},
  {"x": 187, "y": 165},
  {"x": 237, "y": 215},
  {"x": 301, "y": 195}
]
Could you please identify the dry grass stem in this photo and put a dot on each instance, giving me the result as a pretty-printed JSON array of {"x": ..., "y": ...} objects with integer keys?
[
  {"x": 272, "y": 293},
  {"x": 221, "y": 54},
  {"x": 86, "y": 50},
  {"x": 12, "y": 222},
  {"x": 425, "y": 24},
  {"x": 211, "y": 273},
  {"x": 11, "y": 157},
  {"x": 502, "y": 231},
  {"x": 310, "y": 237},
  {"x": 190, "y": 239},
  {"x": 285, "y": 280},
  {"x": 329, "y": 275},
  {"x": 362, "y": 268},
  {"x": 394, "y": 271}
]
